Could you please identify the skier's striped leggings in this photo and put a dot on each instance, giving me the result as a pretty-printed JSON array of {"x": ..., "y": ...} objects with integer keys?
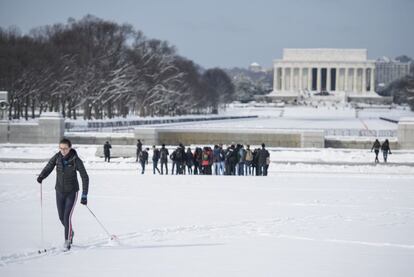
[{"x": 65, "y": 203}]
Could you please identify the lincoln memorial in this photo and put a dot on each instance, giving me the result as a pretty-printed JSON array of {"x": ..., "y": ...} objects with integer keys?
[{"x": 324, "y": 72}]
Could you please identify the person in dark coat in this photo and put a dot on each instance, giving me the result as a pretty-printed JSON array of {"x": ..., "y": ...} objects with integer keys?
[
  {"x": 255, "y": 162},
  {"x": 67, "y": 163},
  {"x": 231, "y": 160},
  {"x": 107, "y": 151},
  {"x": 242, "y": 161},
  {"x": 249, "y": 160},
  {"x": 155, "y": 159},
  {"x": 143, "y": 159},
  {"x": 385, "y": 147},
  {"x": 164, "y": 159},
  {"x": 173, "y": 158},
  {"x": 198, "y": 153},
  {"x": 180, "y": 159},
  {"x": 216, "y": 159},
  {"x": 139, "y": 149},
  {"x": 376, "y": 147},
  {"x": 189, "y": 160},
  {"x": 262, "y": 160}
]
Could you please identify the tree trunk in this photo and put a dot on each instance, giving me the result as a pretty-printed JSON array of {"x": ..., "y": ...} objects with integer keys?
[
  {"x": 33, "y": 107},
  {"x": 63, "y": 102}
]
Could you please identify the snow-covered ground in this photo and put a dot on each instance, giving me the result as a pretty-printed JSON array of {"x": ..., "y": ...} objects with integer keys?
[
  {"x": 320, "y": 212},
  {"x": 326, "y": 118},
  {"x": 273, "y": 117}
]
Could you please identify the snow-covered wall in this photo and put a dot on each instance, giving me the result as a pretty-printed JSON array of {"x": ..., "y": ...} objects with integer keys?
[
  {"x": 188, "y": 136},
  {"x": 406, "y": 133},
  {"x": 48, "y": 129}
]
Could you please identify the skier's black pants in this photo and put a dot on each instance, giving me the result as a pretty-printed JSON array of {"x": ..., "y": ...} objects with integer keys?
[{"x": 65, "y": 203}]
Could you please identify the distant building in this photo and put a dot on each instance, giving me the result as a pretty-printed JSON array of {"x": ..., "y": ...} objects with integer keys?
[
  {"x": 255, "y": 67},
  {"x": 320, "y": 69},
  {"x": 334, "y": 74},
  {"x": 388, "y": 70}
]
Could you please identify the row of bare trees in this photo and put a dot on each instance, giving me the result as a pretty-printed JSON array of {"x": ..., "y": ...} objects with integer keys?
[{"x": 100, "y": 69}]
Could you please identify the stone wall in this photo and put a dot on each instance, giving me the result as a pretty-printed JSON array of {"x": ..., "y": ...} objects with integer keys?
[
  {"x": 49, "y": 128},
  {"x": 406, "y": 133},
  {"x": 150, "y": 136},
  {"x": 357, "y": 143}
]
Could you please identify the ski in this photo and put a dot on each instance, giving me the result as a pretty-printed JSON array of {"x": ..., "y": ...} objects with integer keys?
[{"x": 46, "y": 250}]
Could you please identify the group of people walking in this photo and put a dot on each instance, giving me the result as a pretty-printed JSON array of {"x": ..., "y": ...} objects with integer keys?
[{"x": 233, "y": 160}]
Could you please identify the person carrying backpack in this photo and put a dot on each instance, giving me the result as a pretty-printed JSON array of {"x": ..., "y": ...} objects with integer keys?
[
  {"x": 249, "y": 160},
  {"x": 143, "y": 159},
  {"x": 242, "y": 160},
  {"x": 67, "y": 163}
]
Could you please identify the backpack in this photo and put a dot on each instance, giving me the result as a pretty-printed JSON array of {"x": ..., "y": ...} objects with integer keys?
[
  {"x": 163, "y": 154},
  {"x": 144, "y": 156},
  {"x": 179, "y": 155},
  {"x": 249, "y": 155},
  {"x": 156, "y": 155},
  {"x": 205, "y": 156}
]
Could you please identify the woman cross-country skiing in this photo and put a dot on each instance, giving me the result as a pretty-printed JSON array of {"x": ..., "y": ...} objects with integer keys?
[{"x": 67, "y": 163}]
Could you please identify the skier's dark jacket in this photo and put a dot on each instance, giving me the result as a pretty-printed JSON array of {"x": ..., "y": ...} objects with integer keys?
[{"x": 66, "y": 177}]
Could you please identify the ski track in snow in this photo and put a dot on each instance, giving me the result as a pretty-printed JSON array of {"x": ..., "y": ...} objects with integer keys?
[{"x": 211, "y": 235}]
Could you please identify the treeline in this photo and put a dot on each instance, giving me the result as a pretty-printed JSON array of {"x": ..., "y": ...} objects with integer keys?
[
  {"x": 402, "y": 91},
  {"x": 249, "y": 83},
  {"x": 101, "y": 69}
]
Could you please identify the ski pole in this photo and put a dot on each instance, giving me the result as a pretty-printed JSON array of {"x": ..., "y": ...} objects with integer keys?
[
  {"x": 41, "y": 214},
  {"x": 112, "y": 237}
]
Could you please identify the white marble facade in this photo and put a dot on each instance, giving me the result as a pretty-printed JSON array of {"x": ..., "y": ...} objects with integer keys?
[{"x": 320, "y": 69}]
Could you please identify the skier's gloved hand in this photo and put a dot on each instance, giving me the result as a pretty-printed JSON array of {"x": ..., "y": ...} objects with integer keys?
[
  {"x": 84, "y": 199},
  {"x": 39, "y": 179}
]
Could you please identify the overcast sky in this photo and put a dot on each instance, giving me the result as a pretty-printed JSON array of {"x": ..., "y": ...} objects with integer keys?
[{"x": 229, "y": 33}]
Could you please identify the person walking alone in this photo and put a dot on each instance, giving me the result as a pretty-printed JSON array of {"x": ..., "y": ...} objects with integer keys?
[
  {"x": 67, "y": 163},
  {"x": 107, "y": 151}
]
